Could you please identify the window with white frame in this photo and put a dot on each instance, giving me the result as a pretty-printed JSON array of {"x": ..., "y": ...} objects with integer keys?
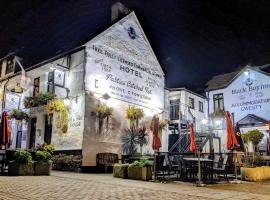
[
  {"x": 218, "y": 102},
  {"x": 200, "y": 106},
  {"x": 191, "y": 103},
  {"x": 10, "y": 65},
  {"x": 174, "y": 109}
]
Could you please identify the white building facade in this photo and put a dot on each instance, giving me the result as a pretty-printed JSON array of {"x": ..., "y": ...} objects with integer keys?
[
  {"x": 245, "y": 94},
  {"x": 118, "y": 64}
]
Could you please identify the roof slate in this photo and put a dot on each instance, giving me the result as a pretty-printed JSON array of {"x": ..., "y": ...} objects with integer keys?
[{"x": 223, "y": 80}]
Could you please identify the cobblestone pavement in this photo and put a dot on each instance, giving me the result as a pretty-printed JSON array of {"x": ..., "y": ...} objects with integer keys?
[{"x": 65, "y": 185}]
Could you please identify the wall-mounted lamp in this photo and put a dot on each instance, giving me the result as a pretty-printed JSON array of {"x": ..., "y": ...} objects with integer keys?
[
  {"x": 105, "y": 96},
  {"x": 218, "y": 122},
  {"x": 246, "y": 72},
  {"x": 204, "y": 121}
]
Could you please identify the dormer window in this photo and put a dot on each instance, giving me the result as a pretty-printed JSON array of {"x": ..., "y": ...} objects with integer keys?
[{"x": 10, "y": 65}]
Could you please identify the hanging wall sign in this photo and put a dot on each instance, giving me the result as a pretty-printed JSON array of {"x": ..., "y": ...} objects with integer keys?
[
  {"x": 59, "y": 78},
  {"x": 12, "y": 101}
]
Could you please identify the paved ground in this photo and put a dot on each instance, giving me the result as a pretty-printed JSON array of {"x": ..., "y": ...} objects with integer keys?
[{"x": 65, "y": 186}]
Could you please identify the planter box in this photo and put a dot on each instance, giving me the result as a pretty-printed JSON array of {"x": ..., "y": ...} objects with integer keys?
[
  {"x": 140, "y": 173},
  {"x": 255, "y": 174},
  {"x": 43, "y": 168},
  {"x": 146, "y": 173},
  {"x": 120, "y": 170},
  {"x": 20, "y": 169}
]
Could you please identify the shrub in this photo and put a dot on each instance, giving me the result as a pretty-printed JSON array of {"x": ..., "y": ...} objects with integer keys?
[
  {"x": 43, "y": 156},
  {"x": 141, "y": 163},
  {"x": 254, "y": 136},
  {"x": 46, "y": 147},
  {"x": 22, "y": 156},
  {"x": 217, "y": 114},
  {"x": 67, "y": 162}
]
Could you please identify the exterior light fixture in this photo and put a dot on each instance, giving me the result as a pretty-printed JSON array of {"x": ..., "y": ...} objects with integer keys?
[
  {"x": 105, "y": 96},
  {"x": 204, "y": 121},
  {"x": 246, "y": 73},
  {"x": 218, "y": 122},
  {"x": 66, "y": 102}
]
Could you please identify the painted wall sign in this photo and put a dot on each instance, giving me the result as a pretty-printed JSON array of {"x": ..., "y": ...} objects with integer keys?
[
  {"x": 12, "y": 101},
  {"x": 124, "y": 67},
  {"x": 247, "y": 95}
]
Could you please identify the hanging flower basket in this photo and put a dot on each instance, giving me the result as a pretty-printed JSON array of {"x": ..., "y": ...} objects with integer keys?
[
  {"x": 19, "y": 115},
  {"x": 39, "y": 100},
  {"x": 58, "y": 106}
]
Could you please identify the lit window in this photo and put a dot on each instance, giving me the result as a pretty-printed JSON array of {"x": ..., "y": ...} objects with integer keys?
[{"x": 218, "y": 102}]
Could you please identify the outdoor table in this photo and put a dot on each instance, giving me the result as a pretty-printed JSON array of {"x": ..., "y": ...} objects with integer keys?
[
  {"x": 206, "y": 165},
  {"x": 139, "y": 158}
]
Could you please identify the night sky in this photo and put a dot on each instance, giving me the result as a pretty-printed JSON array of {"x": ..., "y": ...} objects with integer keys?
[{"x": 193, "y": 39}]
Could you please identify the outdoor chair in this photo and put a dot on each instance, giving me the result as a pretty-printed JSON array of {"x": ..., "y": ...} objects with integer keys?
[
  {"x": 188, "y": 169},
  {"x": 159, "y": 168},
  {"x": 178, "y": 159},
  {"x": 106, "y": 160},
  {"x": 162, "y": 166},
  {"x": 222, "y": 169},
  {"x": 3, "y": 166},
  {"x": 216, "y": 161},
  {"x": 173, "y": 165}
]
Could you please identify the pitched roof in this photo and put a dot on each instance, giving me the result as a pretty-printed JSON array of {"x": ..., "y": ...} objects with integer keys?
[
  {"x": 220, "y": 81},
  {"x": 223, "y": 80},
  {"x": 253, "y": 120}
]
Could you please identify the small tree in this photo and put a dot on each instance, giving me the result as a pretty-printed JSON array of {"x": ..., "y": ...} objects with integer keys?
[{"x": 255, "y": 137}]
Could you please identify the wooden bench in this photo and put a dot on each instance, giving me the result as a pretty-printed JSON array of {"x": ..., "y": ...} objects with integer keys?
[{"x": 106, "y": 160}]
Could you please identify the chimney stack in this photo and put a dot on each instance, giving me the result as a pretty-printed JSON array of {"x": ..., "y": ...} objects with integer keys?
[{"x": 118, "y": 10}]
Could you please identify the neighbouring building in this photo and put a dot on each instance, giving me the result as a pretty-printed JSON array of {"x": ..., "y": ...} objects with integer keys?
[
  {"x": 182, "y": 107},
  {"x": 117, "y": 68},
  {"x": 244, "y": 93}
]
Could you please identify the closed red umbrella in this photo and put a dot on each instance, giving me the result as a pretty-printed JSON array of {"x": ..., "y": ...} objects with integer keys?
[
  {"x": 231, "y": 137},
  {"x": 5, "y": 131},
  {"x": 155, "y": 128},
  {"x": 192, "y": 146}
]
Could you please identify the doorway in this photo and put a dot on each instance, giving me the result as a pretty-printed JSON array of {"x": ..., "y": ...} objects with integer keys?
[
  {"x": 48, "y": 128},
  {"x": 32, "y": 137}
]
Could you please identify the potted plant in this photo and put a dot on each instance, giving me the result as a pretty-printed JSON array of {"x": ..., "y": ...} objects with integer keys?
[
  {"x": 134, "y": 114},
  {"x": 255, "y": 137},
  {"x": 43, "y": 164},
  {"x": 129, "y": 141},
  {"x": 120, "y": 170},
  {"x": 58, "y": 105},
  {"x": 140, "y": 170},
  {"x": 39, "y": 100},
  {"x": 22, "y": 165},
  {"x": 19, "y": 115},
  {"x": 218, "y": 113},
  {"x": 103, "y": 112}
]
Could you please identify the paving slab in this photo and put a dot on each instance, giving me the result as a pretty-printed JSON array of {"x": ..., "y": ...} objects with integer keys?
[{"x": 68, "y": 185}]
